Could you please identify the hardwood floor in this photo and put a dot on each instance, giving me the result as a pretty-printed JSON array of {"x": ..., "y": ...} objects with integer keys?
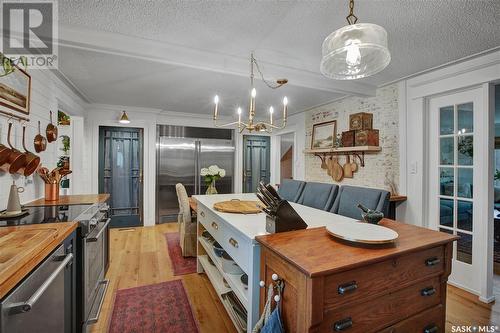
[{"x": 139, "y": 257}]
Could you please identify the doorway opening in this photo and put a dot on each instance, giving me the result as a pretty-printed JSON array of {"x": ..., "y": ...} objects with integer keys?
[
  {"x": 121, "y": 173},
  {"x": 256, "y": 161},
  {"x": 286, "y": 156},
  {"x": 496, "y": 189}
]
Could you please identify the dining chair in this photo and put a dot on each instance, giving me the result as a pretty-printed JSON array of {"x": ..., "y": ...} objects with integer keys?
[
  {"x": 187, "y": 224},
  {"x": 291, "y": 189},
  {"x": 318, "y": 195},
  {"x": 349, "y": 197}
]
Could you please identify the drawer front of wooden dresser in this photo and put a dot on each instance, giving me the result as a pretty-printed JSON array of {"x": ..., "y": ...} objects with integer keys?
[
  {"x": 380, "y": 278},
  {"x": 428, "y": 321},
  {"x": 374, "y": 315}
]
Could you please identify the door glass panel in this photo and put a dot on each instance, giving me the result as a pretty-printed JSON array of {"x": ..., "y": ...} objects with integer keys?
[
  {"x": 446, "y": 120},
  {"x": 446, "y": 182},
  {"x": 464, "y": 215},
  {"x": 446, "y": 209},
  {"x": 448, "y": 231},
  {"x": 465, "y": 150},
  {"x": 446, "y": 151},
  {"x": 465, "y": 118},
  {"x": 464, "y": 248},
  {"x": 465, "y": 180}
]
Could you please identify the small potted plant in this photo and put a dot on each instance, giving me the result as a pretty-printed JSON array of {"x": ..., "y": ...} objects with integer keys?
[{"x": 211, "y": 174}]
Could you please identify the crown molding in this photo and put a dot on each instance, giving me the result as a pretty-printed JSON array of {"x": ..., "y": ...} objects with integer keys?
[{"x": 172, "y": 54}]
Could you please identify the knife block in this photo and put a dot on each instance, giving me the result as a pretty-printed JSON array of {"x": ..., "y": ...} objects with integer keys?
[{"x": 286, "y": 219}]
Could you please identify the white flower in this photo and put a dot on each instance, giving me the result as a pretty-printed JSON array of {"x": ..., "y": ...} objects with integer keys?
[
  {"x": 213, "y": 170},
  {"x": 204, "y": 172},
  {"x": 222, "y": 173}
]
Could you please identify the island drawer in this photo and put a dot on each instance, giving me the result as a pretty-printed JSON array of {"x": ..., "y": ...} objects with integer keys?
[
  {"x": 374, "y": 315},
  {"x": 382, "y": 277},
  {"x": 237, "y": 248},
  {"x": 428, "y": 321},
  {"x": 211, "y": 223}
]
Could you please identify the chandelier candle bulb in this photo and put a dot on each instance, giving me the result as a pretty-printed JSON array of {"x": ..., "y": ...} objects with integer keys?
[
  {"x": 216, "y": 101},
  {"x": 285, "y": 106},
  {"x": 271, "y": 111},
  {"x": 239, "y": 117}
]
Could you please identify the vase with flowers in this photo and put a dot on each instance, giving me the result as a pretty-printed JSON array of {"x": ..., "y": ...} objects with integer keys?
[{"x": 211, "y": 174}]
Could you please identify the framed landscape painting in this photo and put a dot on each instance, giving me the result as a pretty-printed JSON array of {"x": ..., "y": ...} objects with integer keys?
[
  {"x": 324, "y": 134},
  {"x": 15, "y": 90}
]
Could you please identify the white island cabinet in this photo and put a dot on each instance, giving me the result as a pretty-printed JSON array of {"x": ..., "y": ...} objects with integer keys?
[{"x": 236, "y": 234}]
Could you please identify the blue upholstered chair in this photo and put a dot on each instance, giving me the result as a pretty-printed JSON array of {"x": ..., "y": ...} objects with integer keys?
[
  {"x": 291, "y": 189},
  {"x": 318, "y": 195},
  {"x": 349, "y": 197}
]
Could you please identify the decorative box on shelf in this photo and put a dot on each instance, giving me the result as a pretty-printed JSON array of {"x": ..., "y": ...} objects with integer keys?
[{"x": 361, "y": 121}]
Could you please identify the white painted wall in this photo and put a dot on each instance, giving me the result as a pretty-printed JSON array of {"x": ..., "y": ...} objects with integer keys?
[{"x": 48, "y": 93}]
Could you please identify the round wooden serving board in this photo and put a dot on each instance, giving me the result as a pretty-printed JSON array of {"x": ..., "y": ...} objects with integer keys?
[
  {"x": 361, "y": 232},
  {"x": 238, "y": 207}
]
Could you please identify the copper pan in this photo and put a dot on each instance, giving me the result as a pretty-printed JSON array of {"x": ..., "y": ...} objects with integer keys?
[
  {"x": 16, "y": 159},
  {"x": 4, "y": 154},
  {"x": 32, "y": 160},
  {"x": 51, "y": 131},
  {"x": 40, "y": 142}
]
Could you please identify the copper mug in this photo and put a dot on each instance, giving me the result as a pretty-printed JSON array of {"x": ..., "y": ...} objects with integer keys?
[
  {"x": 52, "y": 192},
  {"x": 15, "y": 160}
]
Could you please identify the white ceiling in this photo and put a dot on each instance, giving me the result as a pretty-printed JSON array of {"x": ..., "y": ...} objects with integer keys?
[{"x": 174, "y": 55}]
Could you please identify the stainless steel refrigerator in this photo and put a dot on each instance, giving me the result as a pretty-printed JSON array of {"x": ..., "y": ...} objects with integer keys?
[{"x": 181, "y": 152}]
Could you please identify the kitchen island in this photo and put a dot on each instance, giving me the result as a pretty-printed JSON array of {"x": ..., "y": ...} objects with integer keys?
[{"x": 239, "y": 235}]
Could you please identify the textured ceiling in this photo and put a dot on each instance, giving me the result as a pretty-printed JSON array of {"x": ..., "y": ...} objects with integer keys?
[
  {"x": 422, "y": 34},
  {"x": 132, "y": 82}
]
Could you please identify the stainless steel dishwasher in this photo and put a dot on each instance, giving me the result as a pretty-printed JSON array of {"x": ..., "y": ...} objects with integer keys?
[{"x": 38, "y": 303}]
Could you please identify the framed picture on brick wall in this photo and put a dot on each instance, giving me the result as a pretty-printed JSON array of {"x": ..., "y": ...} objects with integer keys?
[{"x": 324, "y": 134}]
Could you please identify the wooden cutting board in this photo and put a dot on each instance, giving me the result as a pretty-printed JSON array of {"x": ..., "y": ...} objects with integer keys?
[
  {"x": 337, "y": 170},
  {"x": 20, "y": 246},
  {"x": 238, "y": 207}
]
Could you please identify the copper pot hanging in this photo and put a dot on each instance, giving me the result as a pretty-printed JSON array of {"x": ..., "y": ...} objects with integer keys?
[
  {"x": 32, "y": 160},
  {"x": 40, "y": 142},
  {"x": 4, "y": 154},
  {"x": 51, "y": 131},
  {"x": 16, "y": 159}
]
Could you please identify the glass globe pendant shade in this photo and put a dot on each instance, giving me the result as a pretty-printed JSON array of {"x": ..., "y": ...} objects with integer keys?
[{"x": 355, "y": 51}]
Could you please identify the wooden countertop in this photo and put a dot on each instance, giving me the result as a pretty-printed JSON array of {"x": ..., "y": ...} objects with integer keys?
[
  {"x": 22, "y": 248},
  {"x": 315, "y": 252},
  {"x": 79, "y": 199}
]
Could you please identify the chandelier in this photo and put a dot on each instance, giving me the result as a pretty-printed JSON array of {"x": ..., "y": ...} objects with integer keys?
[
  {"x": 355, "y": 51},
  {"x": 252, "y": 124}
]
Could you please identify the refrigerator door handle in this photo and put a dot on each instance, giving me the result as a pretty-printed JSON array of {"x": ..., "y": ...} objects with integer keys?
[
  {"x": 198, "y": 154},
  {"x": 196, "y": 168}
]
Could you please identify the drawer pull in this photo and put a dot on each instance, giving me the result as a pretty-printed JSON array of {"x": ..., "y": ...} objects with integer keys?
[
  {"x": 215, "y": 226},
  {"x": 343, "y": 324},
  {"x": 202, "y": 213},
  {"x": 347, "y": 287},
  {"x": 430, "y": 329},
  {"x": 233, "y": 242},
  {"x": 429, "y": 291},
  {"x": 432, "y": 261}
]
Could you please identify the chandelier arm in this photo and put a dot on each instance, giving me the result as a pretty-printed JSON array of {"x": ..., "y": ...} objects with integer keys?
[{"x": 266, "y": 82}]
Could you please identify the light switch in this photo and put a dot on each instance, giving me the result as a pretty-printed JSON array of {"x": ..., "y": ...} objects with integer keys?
[{"x": 413, "y": 168}]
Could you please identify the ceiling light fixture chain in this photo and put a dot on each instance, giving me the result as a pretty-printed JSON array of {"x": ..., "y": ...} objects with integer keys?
[
  {"x": 252, "y": 125},
  {"x": 351, "y": 18}
]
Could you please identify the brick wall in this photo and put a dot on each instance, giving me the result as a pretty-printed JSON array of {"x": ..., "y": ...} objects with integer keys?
[{"x": 379, "y": 167}]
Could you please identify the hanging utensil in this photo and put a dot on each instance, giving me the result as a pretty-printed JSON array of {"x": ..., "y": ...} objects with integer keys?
[
  {"x": 32, "y": 160},
  {"x": 4, "y": 154},
  {"x": 51, "y": 131},
  {"x": 40, "y": 142},
  {"x": 347, "y": 167},
  {"x": 324, "y": 166},
  {"x": 16, "y": 159},
  {"x": 329, "y": 164},
  {"x": 354, "y": 165}
]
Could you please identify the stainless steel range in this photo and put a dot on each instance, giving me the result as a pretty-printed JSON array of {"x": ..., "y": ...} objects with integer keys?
[{"x": 91, "y": 255}]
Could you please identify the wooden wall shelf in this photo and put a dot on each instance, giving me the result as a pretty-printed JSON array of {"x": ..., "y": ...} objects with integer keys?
[{"x": 358, "y": 152}]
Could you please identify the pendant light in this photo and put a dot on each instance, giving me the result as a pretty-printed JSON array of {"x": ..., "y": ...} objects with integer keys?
[
  {"x": 124, "y": 118},
  {"x": 355, "y": 51}
]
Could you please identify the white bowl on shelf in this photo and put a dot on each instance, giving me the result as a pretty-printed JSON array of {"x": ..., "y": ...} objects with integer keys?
[{"x": 229, "y": 265}]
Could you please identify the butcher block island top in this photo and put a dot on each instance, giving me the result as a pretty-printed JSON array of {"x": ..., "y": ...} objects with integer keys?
[
  {"x": 78, "y": 199},
  {"x": 315, "y": 252},
  {"x": 22, "y": 248}
]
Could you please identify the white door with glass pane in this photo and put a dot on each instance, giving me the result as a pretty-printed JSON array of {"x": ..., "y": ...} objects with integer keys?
[{"x": 454, "y": 201}]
